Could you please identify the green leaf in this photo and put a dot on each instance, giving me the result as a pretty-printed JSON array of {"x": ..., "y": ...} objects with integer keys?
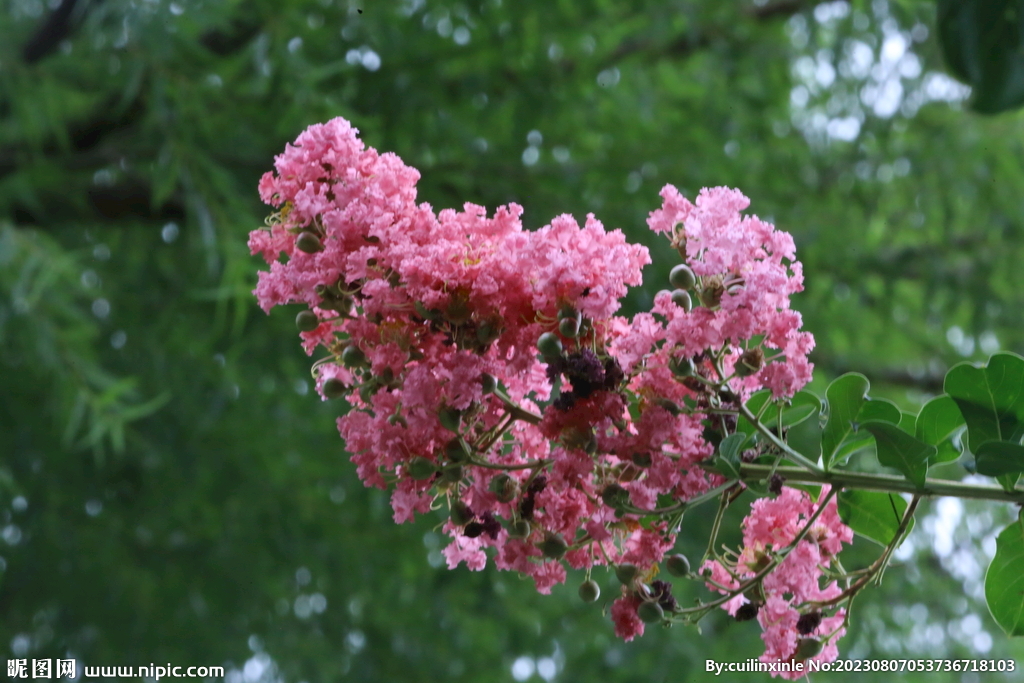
[
  {"x": 1004, "y": 582},
  {"x": 990, "y": 398},
  {"x": 872, "y": 409},
  {"x": 873, "y": 514},
  {"x": 983, "y": 43},
  {"x": 997, "y": 458},
  {"x": 908, "y": 423},
  {"x": 879, "y": 409},
  {"x": 900, "y": 450},
  {"x": 802, "y": 405},
  {"x": 728, "y": 460},
  {"x": 845, "y": 397},
  {"x": 805, "y": 437},
  {"x": 940, "y": 423}
]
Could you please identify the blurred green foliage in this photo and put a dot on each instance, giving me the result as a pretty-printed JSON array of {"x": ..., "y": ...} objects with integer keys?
[{"x": 171, "y": 490}]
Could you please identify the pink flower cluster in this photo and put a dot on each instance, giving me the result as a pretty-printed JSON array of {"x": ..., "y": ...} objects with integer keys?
[
  {"x": 432, "y": 322},
  {"x": 788, "y": 602}
]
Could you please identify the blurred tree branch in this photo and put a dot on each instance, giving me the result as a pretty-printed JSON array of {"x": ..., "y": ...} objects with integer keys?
[{"x": 47, "y": 38}]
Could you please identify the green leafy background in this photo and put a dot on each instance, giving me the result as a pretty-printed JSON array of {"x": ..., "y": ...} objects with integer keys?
[{"x": 171, "y": 490}]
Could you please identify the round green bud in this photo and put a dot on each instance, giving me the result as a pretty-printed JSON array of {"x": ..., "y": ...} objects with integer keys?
[
  {"x": 489, "y": 382},
  {"x": 519, "y": 529},
  {"x": 457, "y": 451},
  {"x": 669, "y": 405},
  {"x": 420, "y": 468},
  {"x": 334, "y": 388},
  {"x": 641, "y": 459},
  {"x": 712, "y": 292},
  {"x": 504, "y": 487},
  {"x": 682, "y": 299},
  {"x": 308, "y": 242},
  {"x": 807, "y": 648},
  {"x": 307, "y": 321},
  {"x": 460, "y": 513},
  {"x": 625, "y": 573},
  {"x": 650, "y": 612},
  {"x": 682, "y": 277},
  {"x": 682, "y": 367},
  {"x": 750, "y": 362},
  {"x": 569, "y": 327},
  {"x": 487, "y": 332},
  {"x": 677, "y": 565},
  {"x": 453, "y": 474},
  {"x": 353, "y": 356},
  {"x": 451, "y": 418},
  {"x": 589, "y": 591},
  {"x": 367, "y": 391},
  {"x": 553, "y": 546},
  {"x": 549, "y": 345},
  {"x": 458, "y": 311},
  {"x": 615, "y": 496}
]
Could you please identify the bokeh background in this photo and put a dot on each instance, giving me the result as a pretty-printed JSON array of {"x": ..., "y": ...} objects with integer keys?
[{"x": 171, "y": 488}]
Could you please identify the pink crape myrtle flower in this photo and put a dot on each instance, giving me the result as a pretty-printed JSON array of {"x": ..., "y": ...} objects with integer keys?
[
  {"x": 431, "y": 324},
  {"x": 771, "y": 526}
]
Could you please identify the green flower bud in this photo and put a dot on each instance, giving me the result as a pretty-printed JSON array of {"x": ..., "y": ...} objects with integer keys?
[
  {"x": 682, "y": 277},
  {"x": 489, "y": 382},
  {"x": 458, "y": 311},
  {"x": 519, "y": 529},
  {"x": 589, "y": 591},
  {"x": 625, "y": 573},
  {"x": 457, "y": 451},
  {"x": 750, "y": 362},
  {"x": 712, "y": 292},
  {"x": 453, "y": 474},
  {"x": 487, "y": 332},
  {"x": 553, "y": 546},
  {"x": 682, "y": 299},
  {"x": 807, "y": 648},
  {"x": 569, "y": 327},
  {"x": 615, "y": 497},
  {"x": 460, "y": 513},
  {"x": 669, "y": 405},
  {"x": 677, "y": 565},
  {"x": 426, "y": 313},
  {"x": 451, "y": 419},
  {"x": 650, "y": 612},
  {"x": 367, "y": 391},
  {"x": 682, "y": 367},
  {"x": 353, "y": 356},
  {"x": 334, "y": 388},
  {"x": 549, "y": 345},
  {"x": 641, "y": 459},
  {"x": 504, "y": 487},
  {"x": 420, "y": 468},
  {"x": 307, "y": 321},
  {"x": 308, "y": 242}
]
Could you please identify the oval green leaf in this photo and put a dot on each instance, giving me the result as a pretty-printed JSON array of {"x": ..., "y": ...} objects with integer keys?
[
  {"x": 873, "y": 514},
  {"x": 1004, "y": 582},
  {"x": 940, "y": 423},
  {"x": 990, "y": 398},
  {"x": 897, "y": 449},
  {"x": 845, "y": 397},
  {"x": 996, "y": 458}
]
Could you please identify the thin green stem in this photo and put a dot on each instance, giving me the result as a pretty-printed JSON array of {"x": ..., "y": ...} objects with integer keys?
[
  {"x": 793, "y": 455},
  {"x": 883, "y": 482},
  {"x": 516, "y": 411}
]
